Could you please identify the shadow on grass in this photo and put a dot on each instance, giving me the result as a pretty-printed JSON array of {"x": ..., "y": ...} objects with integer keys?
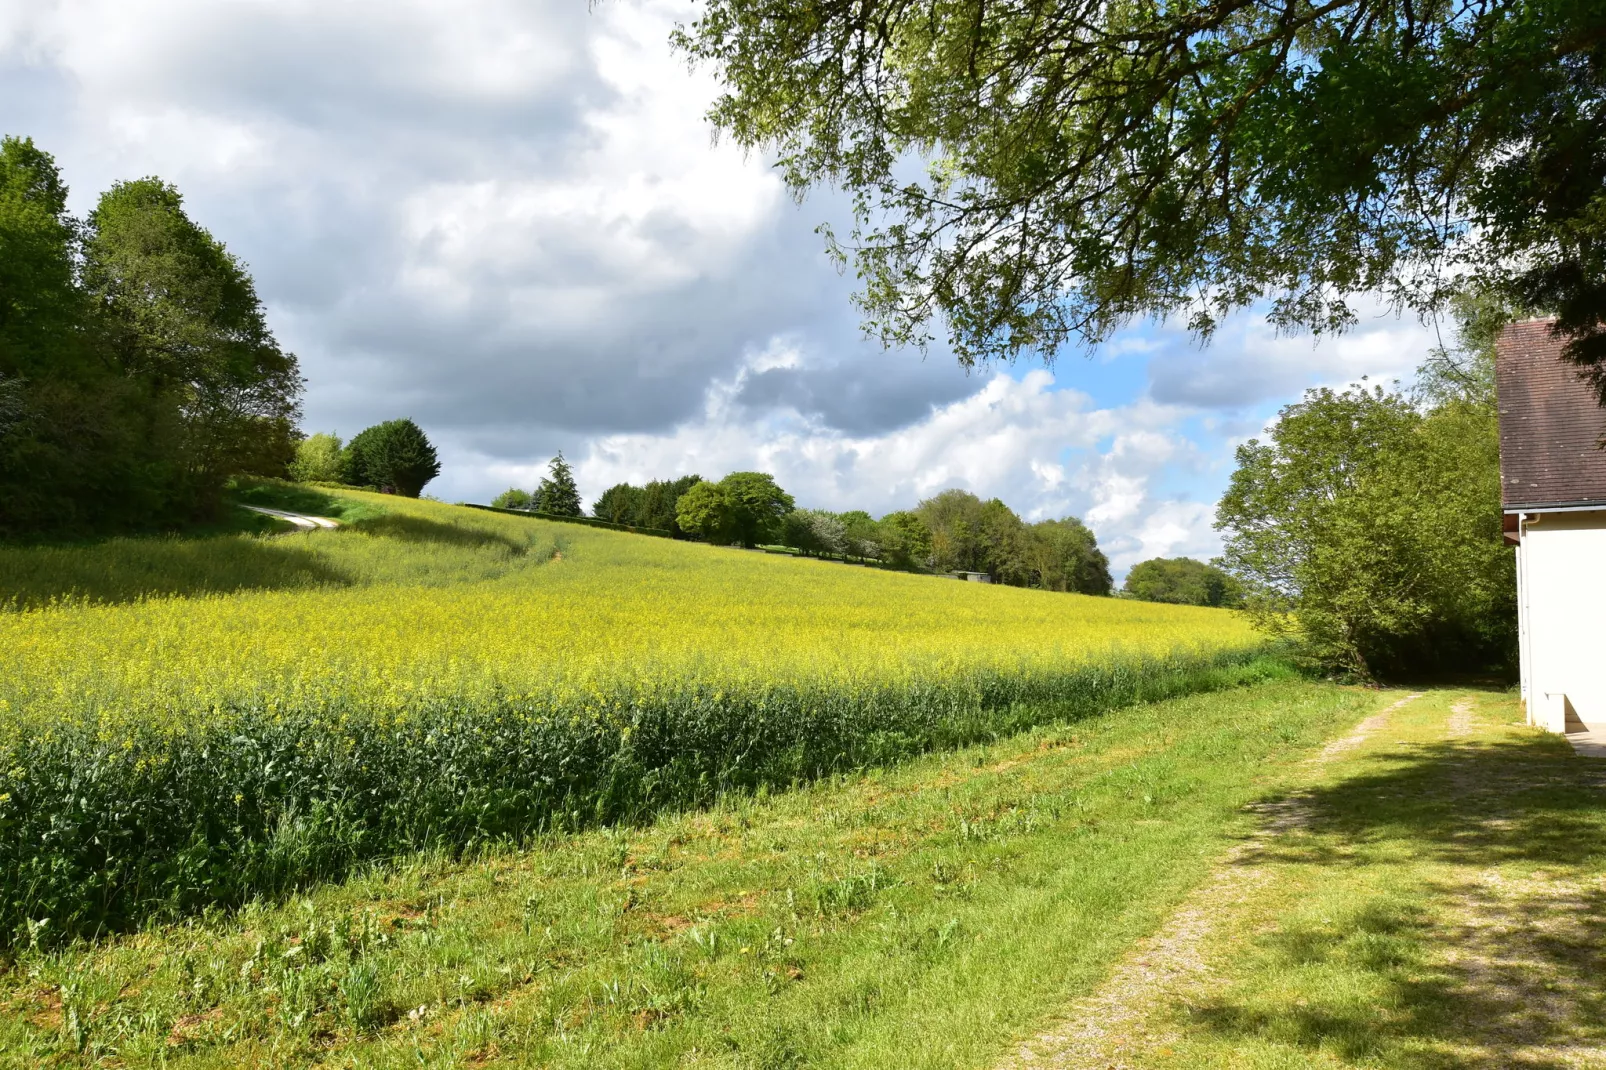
[
  {"x": 129, "y": 569},
  {"x": 419, "y": 530},
  {"x": 1500, "y": 967}
]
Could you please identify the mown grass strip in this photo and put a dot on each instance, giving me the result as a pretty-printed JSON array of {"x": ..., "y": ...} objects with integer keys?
[
  {"x": 925, "y": 915},
  {"x": 1439, "y": 903}
]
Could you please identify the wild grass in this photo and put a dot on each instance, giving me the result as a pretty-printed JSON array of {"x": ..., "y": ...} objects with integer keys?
[
  {"x": 429, "y": 676},
  {"x": 923, "y": 915}
]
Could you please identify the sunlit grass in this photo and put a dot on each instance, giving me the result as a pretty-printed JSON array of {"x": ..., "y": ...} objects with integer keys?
[{"x": 1438, "y": 905}]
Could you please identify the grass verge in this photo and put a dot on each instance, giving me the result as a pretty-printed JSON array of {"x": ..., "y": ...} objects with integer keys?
[
  {"x": 918, "y": 916},
  {"x": 1439, "y": 902}
]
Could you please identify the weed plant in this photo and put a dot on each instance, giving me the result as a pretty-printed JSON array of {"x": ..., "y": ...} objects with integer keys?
[{"x": 448, "y": 679}]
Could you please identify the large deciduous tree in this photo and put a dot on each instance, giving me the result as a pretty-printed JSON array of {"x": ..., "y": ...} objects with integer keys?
[
  {"x": 1182, "y": 581},
  {"x": 704, "y": 512},
  {"x": 136, "y": 368},
  {"x": 1085, "y": 162},
  {"x": 905, "y": 540},
  {"x": 1370, "y": 529},
  {"x": 184, "y": 318},
  {"x": 318, "y": 459},
  {"x": 757, "y": 506}
]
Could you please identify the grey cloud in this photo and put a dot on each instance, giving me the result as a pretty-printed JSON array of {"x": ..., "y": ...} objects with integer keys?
[
  {"x": 1214, "y": 379},
  {"x": 373, "y": 81},
  {"x": 868, "y": 394},
  {"x": 358, "y": 126},
  {"x": 1252, "y": 365},
  {"x": 644, "y": 365}
]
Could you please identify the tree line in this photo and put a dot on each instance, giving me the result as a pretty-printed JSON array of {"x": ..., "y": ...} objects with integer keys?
[
  {"x": 137, "y": 370},
  {"x": 954, "y": 531}
]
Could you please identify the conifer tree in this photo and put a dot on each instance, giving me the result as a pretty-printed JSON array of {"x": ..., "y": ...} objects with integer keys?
[{"x": 557, "y": 493}]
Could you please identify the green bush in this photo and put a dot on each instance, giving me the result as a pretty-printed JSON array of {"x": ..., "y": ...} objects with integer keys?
[
  {"x": 1183, "y": 581},
  {"x": 317, "y": 460},
  {"x": 395, "y": 456}
]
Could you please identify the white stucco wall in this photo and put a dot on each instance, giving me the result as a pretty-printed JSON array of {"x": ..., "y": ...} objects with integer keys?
[{"x": 1561, "y": 588}]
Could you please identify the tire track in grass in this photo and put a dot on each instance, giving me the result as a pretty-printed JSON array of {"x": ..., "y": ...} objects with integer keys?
[{"x": 1094, "y": 1031}]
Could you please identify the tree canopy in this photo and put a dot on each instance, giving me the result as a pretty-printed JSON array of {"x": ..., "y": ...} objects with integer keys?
[
  {"x": 905, "y": 539},
  {"x": 1064, "y": 555},
  {"x": 318, "y": 459},
  {"x": 395, "y": 456},
  {"x": 757, "y": 506},
  {"x": 1183, "y": 581},
  {"x": 704, "y": 511},
  {"x": 1369, "y": 527},
  {"x": 184, "y": 316},
  {"x": 1087, "y": 162},
  {"x": 649, "y": 506},
  {"x": 969, "y": 535},
  {"x": 137, "y": 370},
  {"x": 619, "y": 504}
]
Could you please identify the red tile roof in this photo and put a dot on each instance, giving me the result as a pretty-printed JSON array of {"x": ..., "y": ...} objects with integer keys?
[{"x": 1550, "y": 423}]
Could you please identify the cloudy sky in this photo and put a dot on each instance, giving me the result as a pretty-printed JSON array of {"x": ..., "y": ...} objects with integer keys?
[{"x": 509, "y": 221}]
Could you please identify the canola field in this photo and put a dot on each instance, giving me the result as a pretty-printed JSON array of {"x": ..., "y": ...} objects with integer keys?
[{"x": 192, "y": 723}]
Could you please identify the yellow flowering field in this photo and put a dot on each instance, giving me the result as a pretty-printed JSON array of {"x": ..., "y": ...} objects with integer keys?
[{"x": 431, "y": 675}]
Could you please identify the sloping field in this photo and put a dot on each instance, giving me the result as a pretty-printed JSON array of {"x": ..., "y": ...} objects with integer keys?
[{"x": 430, "y": 675}]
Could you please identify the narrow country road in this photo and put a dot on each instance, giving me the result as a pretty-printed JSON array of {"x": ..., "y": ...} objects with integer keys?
[{"x": 305, "y": 523}]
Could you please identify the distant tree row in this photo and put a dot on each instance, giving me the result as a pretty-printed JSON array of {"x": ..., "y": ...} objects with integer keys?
[
  {"x": 395, "y": 457},
  {"x": 137, "y": 370},
  {"x": 650, "y": 506},
  {"x": 970, "y": 535},
  {"x": 952, "y": 532}
]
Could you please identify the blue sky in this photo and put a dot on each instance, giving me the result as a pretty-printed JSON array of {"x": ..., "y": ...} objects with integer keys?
[{"x": 508, "y": 220}]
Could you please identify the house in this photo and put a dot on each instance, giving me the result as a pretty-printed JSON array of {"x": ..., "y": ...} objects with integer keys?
[
  {"x": 973, "y": 577},
  {"x": 1553, "y": 492}
]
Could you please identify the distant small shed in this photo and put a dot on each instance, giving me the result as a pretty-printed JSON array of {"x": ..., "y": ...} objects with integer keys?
[
  {"x": 1553, "y": 492},
  {"x": 973, "y": 577}
]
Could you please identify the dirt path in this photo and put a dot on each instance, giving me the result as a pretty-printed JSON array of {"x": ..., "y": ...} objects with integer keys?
[
  {"x": 300, "y": 520},
  {"x": 1100, "y": 1024}
]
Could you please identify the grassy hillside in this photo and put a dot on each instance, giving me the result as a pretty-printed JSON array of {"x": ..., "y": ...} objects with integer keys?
[{"x": 188, "y": 722}]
